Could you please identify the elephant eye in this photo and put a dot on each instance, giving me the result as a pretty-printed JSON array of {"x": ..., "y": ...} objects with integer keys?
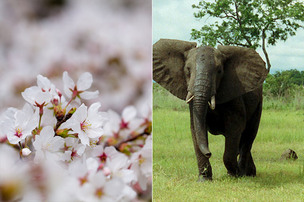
[{"x": 219, "y": 71}]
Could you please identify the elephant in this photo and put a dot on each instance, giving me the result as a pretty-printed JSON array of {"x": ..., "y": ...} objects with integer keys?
[{"x": 223, "y": 87}]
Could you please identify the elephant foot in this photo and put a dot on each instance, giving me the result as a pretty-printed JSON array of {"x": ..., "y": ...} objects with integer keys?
[
  {"x": 247, "y": 172},
  {"x": 234, "y": 173},
  {"x": 242, "y": 173},
  {"x": 251, "y": 172},
  {"x": 202, "y": 178},
  {"x": 205, "y": 174}
]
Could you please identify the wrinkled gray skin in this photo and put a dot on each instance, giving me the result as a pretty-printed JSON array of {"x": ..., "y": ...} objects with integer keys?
[{"x": 223, "y": 88}]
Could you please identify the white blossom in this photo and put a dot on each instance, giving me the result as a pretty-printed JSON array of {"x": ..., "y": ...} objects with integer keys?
[
  {"x": 87, "y": 123},
  {"x": 79, "y": 90},
  {"x": 20, "y": 126},
  {"x": 46, "y": 144},
  {"x": 73, "y": 161}
]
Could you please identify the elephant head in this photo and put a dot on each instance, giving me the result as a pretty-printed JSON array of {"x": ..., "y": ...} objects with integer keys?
[{"x": 203, "y": 75}]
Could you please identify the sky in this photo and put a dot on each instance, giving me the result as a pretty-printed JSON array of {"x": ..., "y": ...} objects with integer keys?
[{"x": 174, "y": 20}]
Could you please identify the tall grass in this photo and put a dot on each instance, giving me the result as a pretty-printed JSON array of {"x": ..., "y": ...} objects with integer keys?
[
  {"x": 174, "y": 164},
  {"x": 162, "y": 99},
  {"x": 293, "y": 101}
]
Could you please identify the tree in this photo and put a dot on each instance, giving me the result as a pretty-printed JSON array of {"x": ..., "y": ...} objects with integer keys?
[
  {"x": 282, "y": 83},
  {"x": 278, "y": 84},
  {"x": 249, "y": 23}
]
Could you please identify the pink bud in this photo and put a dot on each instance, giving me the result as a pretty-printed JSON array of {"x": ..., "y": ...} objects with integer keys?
[
  {"x": 59, "y": 93},
  {"x": 55, "y": 101}
]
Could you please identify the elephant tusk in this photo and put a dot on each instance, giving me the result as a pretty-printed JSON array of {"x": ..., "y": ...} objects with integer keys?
[
  {"x": 191, "y": 98},
  {"x": 212, "y": 104}
]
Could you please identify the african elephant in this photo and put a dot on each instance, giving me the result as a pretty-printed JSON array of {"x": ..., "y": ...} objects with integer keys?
[{"x": 223, "y": 88}]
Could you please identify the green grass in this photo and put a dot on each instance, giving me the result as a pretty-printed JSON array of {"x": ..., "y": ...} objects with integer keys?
[{"x": 174, "y": 164}]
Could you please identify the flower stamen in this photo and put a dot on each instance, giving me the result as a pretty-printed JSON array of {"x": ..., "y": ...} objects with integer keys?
[
  {"x": 18, "y": 132},
  {"x": 84, "y": 126}
]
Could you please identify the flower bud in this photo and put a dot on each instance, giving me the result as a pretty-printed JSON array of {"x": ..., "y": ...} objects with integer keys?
[
  {"x": 26, "y": 151},
  {"x": 63, "y": 132},
  {"x": 59, "y": 112},
  {"x": 125, "y": 148},
  {"x": 72, "y": 111},
  {"x": 59, "y": 93},
  {"x": 55, "y": 101}
]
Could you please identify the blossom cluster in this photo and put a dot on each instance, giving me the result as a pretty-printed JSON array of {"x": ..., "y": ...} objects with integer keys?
[
  {"x": 58, "y": 149},
  {"x": 110, "y": 39}
]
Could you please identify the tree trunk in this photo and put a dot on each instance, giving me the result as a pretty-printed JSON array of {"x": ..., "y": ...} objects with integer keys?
[{"x": 264, "y": 50}]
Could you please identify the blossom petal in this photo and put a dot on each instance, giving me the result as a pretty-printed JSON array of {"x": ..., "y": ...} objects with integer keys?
[
  {"x": 94, "y": 116},
  {"x": 114, "y": 187},
  {"x": 92, "y": 164},
  {"x": 43, "y": 82},
  {"x": 94, "y": 108},
  {"x": 68, "y": 84},
  {"x": 30, "y": 94},
  {"x": 129, "y": 113},
  {"x": 56, "y": 144},
  {"x": 94, "y": 133},
  {"x": 43, "y": 97},
  {"x": 80, "y": 114},
  {"x": 83, "y": 138},
  {"x": 88, "y": 95},
  {"x": 85, "y": 81},
  {"x": 47, "y": 133},
  {"x": 13, "y": 139}
]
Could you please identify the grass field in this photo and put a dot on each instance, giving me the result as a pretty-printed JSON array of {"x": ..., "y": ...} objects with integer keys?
[{"x": 174, "y": 164}]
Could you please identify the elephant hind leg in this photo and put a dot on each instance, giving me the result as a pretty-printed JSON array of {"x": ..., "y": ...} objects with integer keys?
[{"x": 246, "y": 164}]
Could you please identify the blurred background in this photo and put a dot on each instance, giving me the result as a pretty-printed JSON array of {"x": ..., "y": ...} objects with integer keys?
[{"x": 110, "y": 39}]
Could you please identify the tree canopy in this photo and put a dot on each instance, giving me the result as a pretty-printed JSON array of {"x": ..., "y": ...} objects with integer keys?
[
  {"x": 249, "y": 23},
  {"x": 281, "y": 82}
]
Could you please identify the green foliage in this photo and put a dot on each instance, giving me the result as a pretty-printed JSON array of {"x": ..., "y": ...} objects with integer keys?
[
  {"x": 244, "y": 22},
  {"x": 285, "y": 87}
]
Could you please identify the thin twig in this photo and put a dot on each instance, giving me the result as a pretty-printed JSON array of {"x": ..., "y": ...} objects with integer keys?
[{"x": 117, "y": 146}]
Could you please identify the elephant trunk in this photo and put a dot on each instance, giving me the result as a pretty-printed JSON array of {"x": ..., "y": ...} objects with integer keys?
[{"x": 202, "y": 92}]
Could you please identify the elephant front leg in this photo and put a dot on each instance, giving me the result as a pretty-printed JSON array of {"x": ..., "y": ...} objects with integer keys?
[
  {"x": 204, "y": 166},
  {"x": 230, "y": 155}
]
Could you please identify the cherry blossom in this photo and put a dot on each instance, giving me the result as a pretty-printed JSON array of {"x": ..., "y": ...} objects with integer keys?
[
  {"x": 78, "y": 91},
  {"x": 73, "y": 152},
  {"x": 40, "y": 95},
  {"x": 72, "y": 149},
  {"x": 98, "y": 188},
  {"x": 47, "y": 145},
  {"x": 142, "y": 164},
  {"x": 87, "y": 123},
  {"x": 20, "y": 126},
  {"x": 13, "y": 175}
]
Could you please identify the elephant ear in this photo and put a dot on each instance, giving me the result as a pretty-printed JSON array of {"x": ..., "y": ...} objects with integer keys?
[
  {"x": 244, "y": 71},
  {"x": 168, "y": 65}
]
